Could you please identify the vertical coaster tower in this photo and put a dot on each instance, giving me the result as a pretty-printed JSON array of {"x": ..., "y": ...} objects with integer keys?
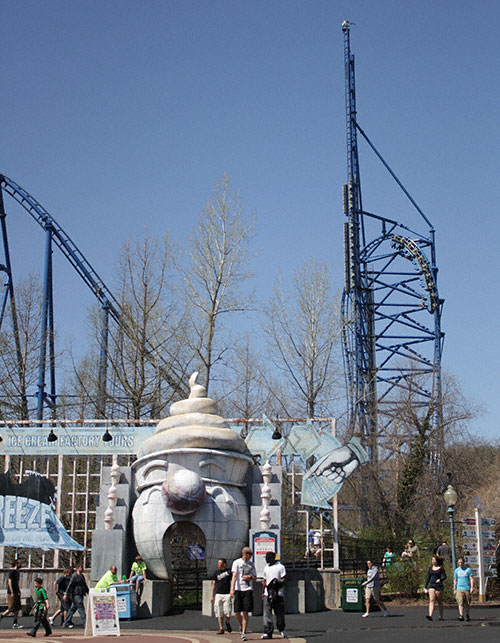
[{"x": 391, "y": 308}]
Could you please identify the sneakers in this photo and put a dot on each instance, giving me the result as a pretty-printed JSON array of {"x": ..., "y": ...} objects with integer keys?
[
  {"x": 266, "y": 636},
  {"x": 16, "y": 626},
  {"x": 284, "y": 634},
  {"x": 228, "y": 627},
  {"x": 51, "y": 620},
  {"x": 386, "y": 612},
  {"x": 243, "y": 636},
  {"x": 365, "y": 614}
]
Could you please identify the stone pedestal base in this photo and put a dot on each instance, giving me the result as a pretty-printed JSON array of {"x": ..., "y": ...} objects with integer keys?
[
  {"x": 157, "y": 599},
  {"x": 301, "y": 596},
  {"x": 331, "y": 586}
]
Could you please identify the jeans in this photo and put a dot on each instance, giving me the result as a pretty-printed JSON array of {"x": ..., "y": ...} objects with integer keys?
[
  {"x": 77, "y": 604},
  {"x": 278, "y": 607},
  {"x": 41, "y": 619}
]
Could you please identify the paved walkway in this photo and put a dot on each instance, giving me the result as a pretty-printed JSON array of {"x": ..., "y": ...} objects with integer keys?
[{"x": 403, "y": 625}]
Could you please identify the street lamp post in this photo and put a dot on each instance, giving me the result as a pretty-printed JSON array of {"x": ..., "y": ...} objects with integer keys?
[{"x": 450, "y": 498}]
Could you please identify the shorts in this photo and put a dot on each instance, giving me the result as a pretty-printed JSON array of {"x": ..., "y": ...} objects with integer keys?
[
  {"x": 223, "y": 605},
  {"x": 243, "y": 601},
  {"x": 64, "y": 604},
  {"x": 372, "y": 592},
  {"x": 463, "y": 597},
  {"x": 14, "y": 602},
  {"x": 137, "y": 577}
]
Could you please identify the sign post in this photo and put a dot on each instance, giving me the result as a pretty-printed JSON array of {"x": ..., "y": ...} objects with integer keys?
[
  {"x": 479, "y": 548},
  {"x": 479, "y": 537}
]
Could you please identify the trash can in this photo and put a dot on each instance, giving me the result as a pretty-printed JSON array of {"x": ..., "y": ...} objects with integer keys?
[
  {"x": 126, "y": 600},
  {"x": 352, "y": 594}
]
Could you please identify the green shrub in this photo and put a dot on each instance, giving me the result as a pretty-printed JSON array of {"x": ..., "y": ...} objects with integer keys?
[
  {"x": 405, "y": 578},
  {"x": 408, "y": 579}
]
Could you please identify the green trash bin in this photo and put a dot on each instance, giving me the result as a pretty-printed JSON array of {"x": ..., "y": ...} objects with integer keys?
[{"x": 352, "y": 594}]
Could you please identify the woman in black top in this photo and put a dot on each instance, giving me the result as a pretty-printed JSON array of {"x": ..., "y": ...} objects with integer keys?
[{"x": 434, "y": 584}]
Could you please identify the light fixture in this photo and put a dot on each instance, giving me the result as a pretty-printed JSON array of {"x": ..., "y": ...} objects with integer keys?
[
  {"x": 450, "y": 496},
  {"x": 277, "y": 432},
  {"x": 52, "y": 437},
  {"x": 107, "y": 437}
]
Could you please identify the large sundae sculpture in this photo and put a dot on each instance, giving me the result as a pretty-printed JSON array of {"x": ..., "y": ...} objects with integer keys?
[{"x": 191, "y": 472}]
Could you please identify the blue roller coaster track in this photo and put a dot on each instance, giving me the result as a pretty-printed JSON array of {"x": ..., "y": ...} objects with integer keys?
[
  {"x": 111, "y": 308},
  {"x": 391, "y": 307}
]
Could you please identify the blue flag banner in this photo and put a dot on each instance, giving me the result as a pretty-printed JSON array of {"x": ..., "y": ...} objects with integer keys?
[
  {"x": 25, "y": 522},
  {"x": 27, "y": 517}
]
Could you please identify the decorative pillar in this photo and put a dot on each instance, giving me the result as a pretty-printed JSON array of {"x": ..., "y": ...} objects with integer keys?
[
  {"x": 109, "y": 514},
  {"x": 265, "y": 495}
]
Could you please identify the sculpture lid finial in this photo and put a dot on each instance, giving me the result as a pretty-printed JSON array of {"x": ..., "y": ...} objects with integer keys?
[{"x": 196, "y": 390}]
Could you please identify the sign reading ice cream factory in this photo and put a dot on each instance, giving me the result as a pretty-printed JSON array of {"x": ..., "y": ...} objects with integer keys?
[{"x": 72, "y": 439}]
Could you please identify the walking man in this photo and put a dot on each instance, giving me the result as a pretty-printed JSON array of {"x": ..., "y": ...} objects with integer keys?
[
  {"x": 372, "y": 589},
  {"x": 463, "y": 586},
  {"x": 77, "y": 589},
  {"x": 221, "y": 595},
  {"x": 13, "y": 595},
  {"x": 273, "y": 596},
  {"x": 244, "y": 574}
]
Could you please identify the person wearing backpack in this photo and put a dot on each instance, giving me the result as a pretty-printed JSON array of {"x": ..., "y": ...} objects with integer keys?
[{"x": 273, "y": 596}]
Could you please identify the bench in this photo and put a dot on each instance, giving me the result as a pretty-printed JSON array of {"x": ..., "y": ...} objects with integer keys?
[{"x": 26, "y": 601}]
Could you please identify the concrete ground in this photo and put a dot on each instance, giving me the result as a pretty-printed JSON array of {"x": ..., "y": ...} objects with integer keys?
[{"x": 404, "y": 625}]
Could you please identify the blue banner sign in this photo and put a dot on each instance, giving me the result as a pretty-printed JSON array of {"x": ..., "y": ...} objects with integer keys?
[
  {"x": 73, "y": 439},
  {"x": 196, "y": 552},
  {"x": 25, "y": 522}
]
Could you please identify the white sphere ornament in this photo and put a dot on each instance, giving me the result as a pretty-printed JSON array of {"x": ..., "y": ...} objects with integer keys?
[{"x": 183, "y": 491}]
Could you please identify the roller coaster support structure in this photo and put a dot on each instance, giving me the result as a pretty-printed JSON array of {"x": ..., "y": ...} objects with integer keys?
[
  {"x": 391, "y": 308},
  {"x": 55, "y": 235}
]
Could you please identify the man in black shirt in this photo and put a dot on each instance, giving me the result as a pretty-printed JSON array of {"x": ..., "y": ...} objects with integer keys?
[
  {"x": 221, "y": 595},
  {"x": 13, "y": 595}
]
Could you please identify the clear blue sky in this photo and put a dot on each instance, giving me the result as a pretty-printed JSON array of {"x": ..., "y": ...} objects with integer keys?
[{"x": 118, "y": 115}]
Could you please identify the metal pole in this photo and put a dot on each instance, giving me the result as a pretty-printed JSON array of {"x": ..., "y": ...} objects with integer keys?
[
  {"x": 47, "y": 286},
  {"x": 103, "y": 360},
  {"x": 479, "y": 540},
  {"x": 13, "y": 308},
  {"x": 451, "y": 511}
]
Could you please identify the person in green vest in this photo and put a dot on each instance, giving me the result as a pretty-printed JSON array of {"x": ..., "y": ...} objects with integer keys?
[
  {"x": 40, "y": 608},
  {"x": 138, "y": 573},
  {"x": 109, "y": 578}
]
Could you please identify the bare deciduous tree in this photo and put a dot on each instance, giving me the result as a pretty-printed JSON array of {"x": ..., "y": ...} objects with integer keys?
[
  {"x": 303, "y": 330},
  {"x": 18, "y": 373},
  {"x": 213, "y": 275}
]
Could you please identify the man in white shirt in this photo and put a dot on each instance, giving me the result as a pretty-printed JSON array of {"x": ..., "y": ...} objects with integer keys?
[
  {"x": 273, "y": 596},
  {"x": 242, "y": 589}
]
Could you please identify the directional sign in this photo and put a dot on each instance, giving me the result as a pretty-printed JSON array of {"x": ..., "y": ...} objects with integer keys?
[
  {"x": 473, "y": 559},
  {"x": 470, "y": 545},
  {"x": 469, "y": 532},
  {"x": 470, "y": 520}
]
